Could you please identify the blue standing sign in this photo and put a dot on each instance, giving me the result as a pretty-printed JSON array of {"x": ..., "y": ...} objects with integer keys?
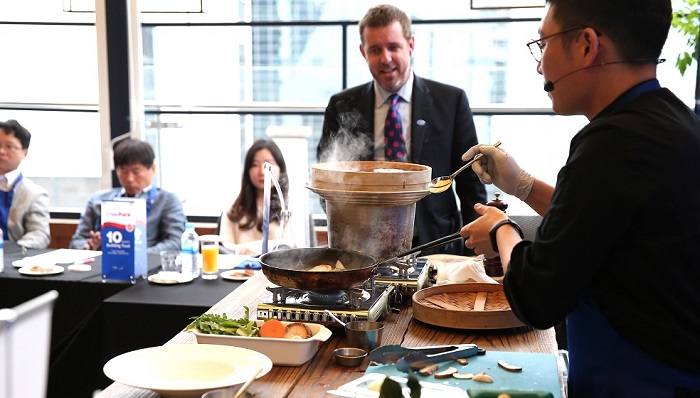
[{"x": 124, "y": 239}]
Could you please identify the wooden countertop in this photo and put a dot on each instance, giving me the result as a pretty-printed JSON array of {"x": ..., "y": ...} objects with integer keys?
[{"x": 320, "y": 374}]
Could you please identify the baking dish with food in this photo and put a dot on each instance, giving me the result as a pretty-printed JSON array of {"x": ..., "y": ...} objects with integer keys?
[{"x": 282, "y": 351}]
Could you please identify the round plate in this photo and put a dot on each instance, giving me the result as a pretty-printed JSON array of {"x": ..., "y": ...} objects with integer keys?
[
  {"x": 41, "y": 270},
  {"x": 239, "y": 274},
  {"x": 187, "y": 370},
  {"x": 23, "y": 262},
  {"x": 169, "y": 278},
  {"x": 80, "y": 267}
]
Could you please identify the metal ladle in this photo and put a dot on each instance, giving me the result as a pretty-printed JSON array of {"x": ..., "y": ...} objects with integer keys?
[
  {"x": 335, "y": 318},
  {"x": 441, "y": 184}
]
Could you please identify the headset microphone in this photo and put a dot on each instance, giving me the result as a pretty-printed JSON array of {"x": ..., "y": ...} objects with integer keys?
[{"x": 549, "y": 86}]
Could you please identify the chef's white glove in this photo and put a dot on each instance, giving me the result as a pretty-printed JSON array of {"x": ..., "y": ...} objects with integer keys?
[{"x": 498, "y": 168}]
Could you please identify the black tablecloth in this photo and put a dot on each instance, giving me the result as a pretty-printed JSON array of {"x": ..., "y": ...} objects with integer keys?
[
  {"x": 94, "y": 321},
  {"x": 79, "y": 293},
  {"x": 148, "y": 315}
]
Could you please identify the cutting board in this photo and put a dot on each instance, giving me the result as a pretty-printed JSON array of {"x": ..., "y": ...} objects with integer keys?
[{"x": 540, "y": 372}]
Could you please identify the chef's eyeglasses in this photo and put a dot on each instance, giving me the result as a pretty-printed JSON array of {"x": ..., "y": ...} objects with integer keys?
[
  {"x": 10, "y": 147},
  {"x": 539, "y": 45}
]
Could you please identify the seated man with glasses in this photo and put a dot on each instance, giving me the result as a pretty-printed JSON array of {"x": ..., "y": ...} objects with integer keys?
[
  {"x": 165, "y": 222},
  {"x": 24, "y": 206}
]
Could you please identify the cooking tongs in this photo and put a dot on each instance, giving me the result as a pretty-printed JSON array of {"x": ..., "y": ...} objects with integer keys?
[
  {"x": 437, "y": 242},
  {"x": 416, "y": 358}
]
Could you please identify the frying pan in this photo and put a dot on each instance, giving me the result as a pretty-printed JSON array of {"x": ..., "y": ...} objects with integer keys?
[{"x": 290, "y": 268}]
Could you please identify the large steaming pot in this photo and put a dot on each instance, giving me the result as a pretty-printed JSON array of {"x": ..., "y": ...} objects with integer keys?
[
  {"x": 370, "y": 205},
  {"x": 290, "y": 268}
]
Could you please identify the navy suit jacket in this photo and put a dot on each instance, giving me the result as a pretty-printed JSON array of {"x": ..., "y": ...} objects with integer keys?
[{"x": 442, "y": 129}]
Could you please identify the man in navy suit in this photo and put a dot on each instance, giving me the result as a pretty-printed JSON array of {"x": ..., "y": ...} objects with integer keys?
[{"x": 436, "y": 120}]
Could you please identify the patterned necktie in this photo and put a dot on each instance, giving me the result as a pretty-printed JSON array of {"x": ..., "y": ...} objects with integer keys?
[{"x": 394, "y": 144}]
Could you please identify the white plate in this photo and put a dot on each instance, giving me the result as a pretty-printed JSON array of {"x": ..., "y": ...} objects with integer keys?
[
  {"x": 169, "y": 278},
  {"x": 284, "y": 352},
  {"x": 24, "y": 262},
  {"x": 80, "y": 267},
  {"x": 45, "y": 270},
  {"x": 238, "y": 275},
  {"x": 187, "y": 370}
]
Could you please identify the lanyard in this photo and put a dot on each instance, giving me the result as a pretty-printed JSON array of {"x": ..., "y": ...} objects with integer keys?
[
  {"x": 5, "y": 205},
  {"x": 636, "y": 91},
  {"x": 152, "y": 193},
  {"x": 11, "y": 191}
]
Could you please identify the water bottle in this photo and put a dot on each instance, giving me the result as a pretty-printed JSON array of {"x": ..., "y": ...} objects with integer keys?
[
  {"x": 2, "y": 252},
  {"x": 190, "y": 251}
]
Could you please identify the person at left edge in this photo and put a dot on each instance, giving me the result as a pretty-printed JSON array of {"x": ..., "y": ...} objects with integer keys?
[
  {"x": 24, "y": 205},
  {"x": 436, "y": 120},
  {"x": 165, "y": 223}
]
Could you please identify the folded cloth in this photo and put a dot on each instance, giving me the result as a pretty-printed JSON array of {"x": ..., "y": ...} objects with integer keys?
[{"x": 467, "y": 270}]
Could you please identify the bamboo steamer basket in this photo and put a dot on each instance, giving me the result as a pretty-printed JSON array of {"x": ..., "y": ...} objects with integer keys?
[{"x": 465, "y": 306}]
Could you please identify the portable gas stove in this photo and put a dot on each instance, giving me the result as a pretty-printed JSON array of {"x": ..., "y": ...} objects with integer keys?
[
  {"x": 407, "y": 276},
  {"x": 358, "y": 304}
]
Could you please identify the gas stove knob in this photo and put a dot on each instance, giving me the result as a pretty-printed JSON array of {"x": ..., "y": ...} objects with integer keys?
[{"x": 398, "y": 297}]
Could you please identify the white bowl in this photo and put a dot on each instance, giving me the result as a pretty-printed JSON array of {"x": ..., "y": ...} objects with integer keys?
[
  {"x": 284, "y": 352},
  {"x": 187, "y": 370}
]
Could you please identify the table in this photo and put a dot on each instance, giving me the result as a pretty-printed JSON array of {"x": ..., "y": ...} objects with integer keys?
[
  {"x": 80, "y": 293},
  {"x": 147, "y": 315},
  {"x": 94, "y": 321},
  {"x": 320, "y": 374}
]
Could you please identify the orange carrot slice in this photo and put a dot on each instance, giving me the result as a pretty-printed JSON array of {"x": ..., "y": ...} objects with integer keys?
[{"x": 272, "y": 328}]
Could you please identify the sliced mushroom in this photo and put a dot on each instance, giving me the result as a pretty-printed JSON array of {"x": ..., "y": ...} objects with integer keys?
[
  {"x": 446, "y": 373},
  {"x": 483, "y": 378},
  {"x": 428, "y": 370},
  {"x": 462, "y": 361},
  {"x": 508, "y": 367},
  {"x": 463, "y": 376}
]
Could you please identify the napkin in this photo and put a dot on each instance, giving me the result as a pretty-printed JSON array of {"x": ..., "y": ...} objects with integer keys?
[{"x": 459, "y": 269}]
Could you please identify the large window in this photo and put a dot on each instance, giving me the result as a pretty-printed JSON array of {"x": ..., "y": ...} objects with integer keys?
[{"x": 216, "y": 80}]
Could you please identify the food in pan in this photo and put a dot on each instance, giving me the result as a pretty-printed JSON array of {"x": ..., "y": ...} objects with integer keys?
[{"x": 327, "y": 267}]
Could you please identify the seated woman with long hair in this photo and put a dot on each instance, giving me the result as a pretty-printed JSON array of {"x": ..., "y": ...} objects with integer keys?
[{"x": 241, "y": 225}]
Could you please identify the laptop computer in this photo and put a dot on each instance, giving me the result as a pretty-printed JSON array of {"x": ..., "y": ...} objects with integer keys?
[{"x": 25, "y": 344}]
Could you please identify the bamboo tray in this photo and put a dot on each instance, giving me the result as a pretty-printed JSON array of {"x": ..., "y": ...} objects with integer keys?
[{"x": 465, "y": 306}]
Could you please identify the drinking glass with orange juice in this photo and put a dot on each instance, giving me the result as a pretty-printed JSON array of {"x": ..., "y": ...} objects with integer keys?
[{"x": 210, "y": 256}]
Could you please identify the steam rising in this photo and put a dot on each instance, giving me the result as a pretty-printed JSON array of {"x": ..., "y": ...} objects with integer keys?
[
  {"x": 345, "y": 145},
  {"x": 377, "y": 229}
]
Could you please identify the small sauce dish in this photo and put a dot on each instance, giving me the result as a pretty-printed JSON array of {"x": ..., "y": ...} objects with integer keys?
[{"x": 349, "y": 356}]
